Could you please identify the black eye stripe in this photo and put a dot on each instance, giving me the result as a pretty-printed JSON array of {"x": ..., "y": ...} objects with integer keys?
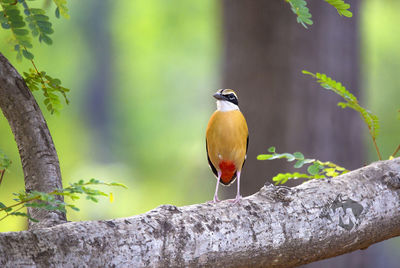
[{"x": 231, "y": 97}]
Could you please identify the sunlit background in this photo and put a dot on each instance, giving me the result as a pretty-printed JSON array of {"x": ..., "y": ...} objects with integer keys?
[{"x": 141, "y": 75}]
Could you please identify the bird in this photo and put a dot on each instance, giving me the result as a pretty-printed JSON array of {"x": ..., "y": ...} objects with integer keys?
[{"x": 227, "y": 140}]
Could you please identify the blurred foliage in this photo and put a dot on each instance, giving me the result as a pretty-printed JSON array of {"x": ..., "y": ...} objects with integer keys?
[
  {"x": 4, "y": 161},
  {"x": 161, "y": 67},
  {"x": 316, "y": 169}
]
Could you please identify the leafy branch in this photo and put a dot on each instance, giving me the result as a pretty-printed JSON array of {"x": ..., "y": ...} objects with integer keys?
[
  {"x": 39, "y": 26},
  {"x": 49, "y": 201},
  {"x": 316, "y": 169},
  {"x": 341, "y": 7},
  {"x": 11, "y": 19},
  {"x": 299, "y": 7},
  {"x": 40, "y": 80},
  {"x": 38, "y": 23},
  {"x": 370, "y": 119}
]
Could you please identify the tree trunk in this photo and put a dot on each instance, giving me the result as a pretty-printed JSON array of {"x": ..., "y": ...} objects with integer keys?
[
  {"x": 99, "y": 83},
  {"x": 276, "y": 227},
  {"x": 265, "y": 51},
  {"x": 36, "y": 148}
]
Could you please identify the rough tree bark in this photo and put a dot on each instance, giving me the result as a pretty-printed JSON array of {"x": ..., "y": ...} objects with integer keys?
[
  {"x": 276, "y": 227},
  {"x": 36, "y": 148}
]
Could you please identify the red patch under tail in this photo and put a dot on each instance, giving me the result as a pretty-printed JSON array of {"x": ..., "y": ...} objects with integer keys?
[{"x": 228, "y": 170}]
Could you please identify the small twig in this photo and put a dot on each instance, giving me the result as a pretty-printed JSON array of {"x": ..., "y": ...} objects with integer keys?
[
  {"x": 8, "y": 214},
  {"x": 377, "y": 149},
  {"x": 20, "y": 203},
  {"x": 376, "y": 146},
  {"x": 2, "y": 175},
  {"x": 394, "y": 154},
  {"x": 36, "y": 69}
]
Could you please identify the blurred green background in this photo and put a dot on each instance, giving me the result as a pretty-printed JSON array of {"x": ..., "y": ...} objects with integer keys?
[{"x": 141, "y": 75}]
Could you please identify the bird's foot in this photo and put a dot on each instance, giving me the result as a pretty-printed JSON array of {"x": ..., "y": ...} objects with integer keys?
[
  {"x": 236, "y": 200},
  {"x": 216, "y": 200}
]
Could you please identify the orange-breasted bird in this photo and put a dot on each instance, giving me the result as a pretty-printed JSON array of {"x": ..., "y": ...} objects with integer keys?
[{"x": 227, "y": 139}]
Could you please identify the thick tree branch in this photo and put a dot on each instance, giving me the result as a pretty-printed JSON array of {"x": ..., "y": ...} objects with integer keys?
[
  {"x": 276, "y": 227},
  {"x": 38, "y": 155}
]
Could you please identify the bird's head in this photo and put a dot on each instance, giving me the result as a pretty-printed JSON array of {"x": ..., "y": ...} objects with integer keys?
[{"x": 226, "y": 100}]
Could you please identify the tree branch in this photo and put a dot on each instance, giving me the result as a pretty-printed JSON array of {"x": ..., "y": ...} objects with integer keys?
[
  {"x": 36, "y": 148},
  {"x": 276, "y": 227}
]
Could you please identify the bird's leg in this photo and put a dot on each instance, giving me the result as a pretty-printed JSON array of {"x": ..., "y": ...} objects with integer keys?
[
  {"x": 238, "y": 196},
  {"x": 215, "y": 200}
]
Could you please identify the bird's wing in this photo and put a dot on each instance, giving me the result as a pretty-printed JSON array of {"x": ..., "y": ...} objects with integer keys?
[
  {"x": 247, "y": 143},
  {"x": 214, "y": 170},
  {"x": 247, "y": 147}
]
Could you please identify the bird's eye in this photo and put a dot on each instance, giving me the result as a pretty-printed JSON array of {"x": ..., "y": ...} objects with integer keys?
[{"x": 231, "y": 97}]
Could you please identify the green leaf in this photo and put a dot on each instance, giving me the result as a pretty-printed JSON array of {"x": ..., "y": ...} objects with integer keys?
[
  {"x": 27, "y": 54},
  {"x": 17, "y": 213},
  {"x": 5, "y": 25},
  {"x": 57, "y": 13},
  {"x": 264, "y": 156},
  {"x": 118, "y": 184},
  {"x": 5, "y": 162},
  {"x": 313, "y": 169},
  {"x": 288, "y": 156},
  {"x": 298, "y": 155},
  {"x": 271, "y": 149},
  {"x": 62, "y": 8},
  {"x": 282, "y": 178},
  {"x": 32, "y": 219},
  {"x": 308, "y": 161},
  {"x": 299, "y": 164},
  {"x": 331, "y": 172},
  {"x": 73, "y": 207}
]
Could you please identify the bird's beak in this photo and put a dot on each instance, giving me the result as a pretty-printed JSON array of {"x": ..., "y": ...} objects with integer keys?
[{"x": 218, "y": 96}]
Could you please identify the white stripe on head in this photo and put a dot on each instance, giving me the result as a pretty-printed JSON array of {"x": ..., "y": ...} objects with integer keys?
[{"x": 225, "y": 106}]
